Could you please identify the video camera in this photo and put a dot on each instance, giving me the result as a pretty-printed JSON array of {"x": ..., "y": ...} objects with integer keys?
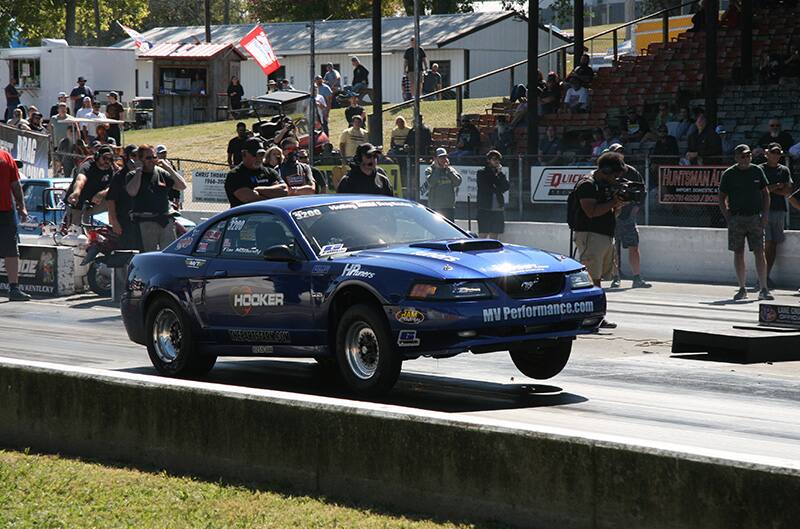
[{"x": 627, "y": 190}]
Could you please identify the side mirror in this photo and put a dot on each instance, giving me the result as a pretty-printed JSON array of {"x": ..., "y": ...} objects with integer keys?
[{"x": 280, "y": 253}]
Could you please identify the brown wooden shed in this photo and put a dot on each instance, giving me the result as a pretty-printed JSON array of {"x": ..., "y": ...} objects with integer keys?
[{"x": 190, "y": 81}]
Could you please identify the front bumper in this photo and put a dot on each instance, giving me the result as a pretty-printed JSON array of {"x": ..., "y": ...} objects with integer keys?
[{"x": 444, "y": 329}]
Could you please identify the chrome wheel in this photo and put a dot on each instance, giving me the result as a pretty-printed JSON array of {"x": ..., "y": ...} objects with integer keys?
[
  {"x": 167, "y": 335},
  {"x": 362, "y": 350}
]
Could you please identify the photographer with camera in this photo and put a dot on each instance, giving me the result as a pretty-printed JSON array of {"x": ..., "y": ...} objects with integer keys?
[
  {"x": 594, "y": 221},
  {"x": 626, "y": 233}
]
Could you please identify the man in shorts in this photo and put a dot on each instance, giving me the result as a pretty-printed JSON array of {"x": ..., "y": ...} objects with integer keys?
[
  {"x": 626, "y": 232},
  {"x": 779, "y": 183},
  {"x": 744, "y": 202},
  {"x": 9, "y": 251}
]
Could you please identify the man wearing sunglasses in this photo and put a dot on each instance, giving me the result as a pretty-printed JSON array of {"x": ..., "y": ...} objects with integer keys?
[
  {"x": 744, "y": 202},
  {"x": 776, "y": 135},
  {"x": 90, "y": 185},
  {"x": 365, "y": 177},
  {"x": 150, "y": 186}
]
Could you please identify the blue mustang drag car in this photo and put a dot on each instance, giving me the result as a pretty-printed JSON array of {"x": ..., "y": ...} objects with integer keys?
[{"x": 362, "y": 282}]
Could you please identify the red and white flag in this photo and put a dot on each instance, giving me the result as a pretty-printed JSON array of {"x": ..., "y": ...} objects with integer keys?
[
  {"x": 138, "y": 39},
  {"x": 257, "y": 45}
]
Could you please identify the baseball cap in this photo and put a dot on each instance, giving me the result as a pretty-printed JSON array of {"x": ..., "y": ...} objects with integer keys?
[
  {"x": 364, "y": 149},
  {"x": 616, "y": 147},
  {"x": 81, "y": 78},
  {"x": 87, "y": 98},
  {"x": 62, "y": 94},
  {"x": 720, "y": 130},
  {"x": 441, "y": 151},
  {"x": 131, "y": 150},
  {"x": 742, "y": 149},
  {"x": 104, "y": 149},
  {"x": 271, "y": 81},
  {"x": 114, "y": 94},
  {"x": 254, "y": 146},
  {"x": 775, "y": 147},
  {"x": 160, "y": 149},
  {"x": 609, "y": 163},
  {"x": 494, "y": 154},
  {"x": 95, "y": 144},
  {"x": 317, "y": 77}
]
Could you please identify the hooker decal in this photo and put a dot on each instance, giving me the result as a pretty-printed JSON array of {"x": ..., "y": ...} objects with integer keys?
[{"x": 243, "y": 300}]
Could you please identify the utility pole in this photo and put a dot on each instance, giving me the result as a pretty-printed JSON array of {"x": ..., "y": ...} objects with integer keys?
[
  {"x": 414, "y": 179},
  {"x": 577, "y": 33},
  {"x": 312, "y": 103},
  {"x": 376, "y": 125},
  {"x": 710, "y": 75},
  {"x": 207, "y": 11},
  {"x": 533, "y": 79}
]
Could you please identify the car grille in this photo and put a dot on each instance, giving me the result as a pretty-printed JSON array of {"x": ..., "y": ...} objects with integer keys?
[{"x": 532, "y": 285}]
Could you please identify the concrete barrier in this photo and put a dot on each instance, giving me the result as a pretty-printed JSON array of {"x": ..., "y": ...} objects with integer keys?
[
  {"x": 413, "y": 460},
  {"x": 670, "y": 254}
]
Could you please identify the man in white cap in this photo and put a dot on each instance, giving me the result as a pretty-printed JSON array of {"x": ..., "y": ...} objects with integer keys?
[{"x": 441, "y": 182}]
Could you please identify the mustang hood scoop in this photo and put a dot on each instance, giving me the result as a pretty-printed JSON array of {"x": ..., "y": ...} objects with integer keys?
[{"x": 467, "y": 245}]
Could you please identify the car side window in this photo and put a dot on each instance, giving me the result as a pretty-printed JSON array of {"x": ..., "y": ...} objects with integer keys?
[
  {"x": 211, "y": 240},
  {"x": 247, "y": 236},
  {"x": 32, "y": 195}
]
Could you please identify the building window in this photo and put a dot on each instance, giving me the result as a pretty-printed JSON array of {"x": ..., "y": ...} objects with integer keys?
[{"x": 27, "y": 72}]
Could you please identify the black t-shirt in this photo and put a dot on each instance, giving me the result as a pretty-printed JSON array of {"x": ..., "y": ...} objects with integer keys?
[
  {"x": 604, "y": 224},
  {"x": 706, "y": 143},
  {"x": 153, "y": 195},
  {"x": 549, "y": 147},
  {"x": 360, "y": 75},
  {"x": 783, "y": 138},
  {"x": 409, "y": 58},
  {"x": 80, "y": 92},
  {"x": 235, "y": 148},
  {"x": 114, "y": 110},
  {"x": 123, "y": 203},
  {"x": 243, "y": 177},
  {"x": 295, "y": 174},
  {"x": 430, "y": 81},
  {"x": 359, "y": 183},
  {"x": 96, "y": 180},
  {"x": 236, "y": 98},
  {"x": 777, "y": 175},
  {"x": 469, "y": 137},
  {"x": 743, "y": 187},
  {"x": 12, "y": 96},
  {"x": 349, "y": 112}
]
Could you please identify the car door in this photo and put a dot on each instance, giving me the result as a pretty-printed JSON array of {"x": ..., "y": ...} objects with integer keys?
[{"x": 257, "y": 304}]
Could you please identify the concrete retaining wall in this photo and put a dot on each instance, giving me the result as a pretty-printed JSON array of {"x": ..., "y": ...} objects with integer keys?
[
  {"x": 413, "y": 460},
  {"x": 670, "y": 254}
]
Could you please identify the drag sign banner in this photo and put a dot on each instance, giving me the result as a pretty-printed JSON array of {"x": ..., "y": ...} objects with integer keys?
[
  {"x": 554, "y": 184},
  {"x": 38, "y": 270},
  {"x": 257, "y": 45},
  {"x": 30, "y": 147},
  {"x": 696, "y": 185}
]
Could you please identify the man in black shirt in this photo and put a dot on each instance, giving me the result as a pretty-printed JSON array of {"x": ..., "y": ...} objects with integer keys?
[
  {"x": 90, "y": 185},
  {"x": 295, "y": 174},
  {"x": 149, "y": 186},
  {"x": 744, "y": 202},
  {"x": 120, "y": 202},
  {"x": 779, "y": 183},
  {"x": 320, "y": 182},
  {"x": 114, "y": 110},
  {"x": 412, "y": 70},
  {"x": 236, "y": 145},
  {"x": 704, "y": 144},
  {"x": 12, "y": 98},
  {"x": 776, "y": 135},
  {"x": 425, "y": 142},
  {"x": 594, "y": 217},
  {"x": 80, "y": 91},
  {"x": 251, "y": 181},
  {"x": 354, "y": 110},
  {"x": 62, "y": 98},
  {"x": 360, "y": 78},
  {"x": 365, "y": 177},
  {"x": 468, "y": 140}
]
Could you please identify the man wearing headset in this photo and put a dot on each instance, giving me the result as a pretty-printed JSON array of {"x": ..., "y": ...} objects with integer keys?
[
  {"x": 365, "y": 177},
  {"x": 594, "y": 219},
  {"x": 91, "y": 184}
]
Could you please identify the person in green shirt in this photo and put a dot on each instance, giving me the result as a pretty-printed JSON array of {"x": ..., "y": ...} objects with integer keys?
[{"x": 744, "y": 202}]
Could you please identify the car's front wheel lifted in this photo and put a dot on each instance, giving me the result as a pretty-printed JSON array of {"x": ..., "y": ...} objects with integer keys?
[
  {"x": 170, "y": 342},
  {"x": 366, "y": 356},
  {"x": 542, "y": 360}
]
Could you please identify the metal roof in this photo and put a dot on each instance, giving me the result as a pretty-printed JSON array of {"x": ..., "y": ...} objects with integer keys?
[
  {"x": 203, "y": 50},
  {"x": 344, "y": 36}
]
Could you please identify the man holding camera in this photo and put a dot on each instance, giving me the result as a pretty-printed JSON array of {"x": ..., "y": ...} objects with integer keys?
[
  {"x": 595, "y": 220},
  {"x": 744, "y": 202},
  {"x": 626, "y": 232}
]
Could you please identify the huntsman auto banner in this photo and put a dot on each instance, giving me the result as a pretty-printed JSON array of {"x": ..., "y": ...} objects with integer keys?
[
  {"x": 696, "y": 185},
  {"x": 30, "y": 147}
]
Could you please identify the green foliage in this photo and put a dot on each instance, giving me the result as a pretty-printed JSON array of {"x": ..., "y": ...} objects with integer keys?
[
  {"x": 192, "y": 13},
  {"x": 297, "y": 10}
]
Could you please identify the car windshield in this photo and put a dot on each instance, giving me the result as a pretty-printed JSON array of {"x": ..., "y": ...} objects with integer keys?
[{"x": 359, "y": 225}]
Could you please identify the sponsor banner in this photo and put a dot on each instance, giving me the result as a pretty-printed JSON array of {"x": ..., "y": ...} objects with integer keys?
[
  {"x": 469, "y": 182},
  {"x": 554, "y": 184},
  {"x": 38, "y": 270},
  {"x": 696, "y": 185},
  {"x": 524, "y": 312},
  {"x": 779, "y": 315},
  {"x": 257, "y": 44},
  {"x": 30, "y": 147},
  {"x": 209, "y": 186}
]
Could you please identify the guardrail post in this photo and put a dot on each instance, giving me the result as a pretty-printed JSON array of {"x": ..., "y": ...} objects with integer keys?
[
  {"x": 665, "y": 27},
  {"x": 459, "y": 103},
  {"x": 511, "y": 81},
  {"x": 616, "y": 52},
  {"x": 520, "y": 168}
]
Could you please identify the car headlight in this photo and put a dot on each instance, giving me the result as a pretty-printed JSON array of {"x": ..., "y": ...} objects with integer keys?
[
  {"x": 580, "y": 279},
  {"x": 461, "y": 290}
]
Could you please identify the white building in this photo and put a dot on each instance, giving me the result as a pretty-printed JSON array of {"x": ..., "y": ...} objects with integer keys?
[
  {"x": 464, "y": 45},
  {"x": 44, "y": 71}
]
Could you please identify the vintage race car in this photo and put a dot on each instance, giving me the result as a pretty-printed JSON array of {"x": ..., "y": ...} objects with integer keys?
[{"x": 355, "y": 281}]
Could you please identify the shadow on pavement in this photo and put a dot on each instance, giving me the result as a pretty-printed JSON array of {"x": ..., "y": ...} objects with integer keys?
[{"x": 428, "y": 392}]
